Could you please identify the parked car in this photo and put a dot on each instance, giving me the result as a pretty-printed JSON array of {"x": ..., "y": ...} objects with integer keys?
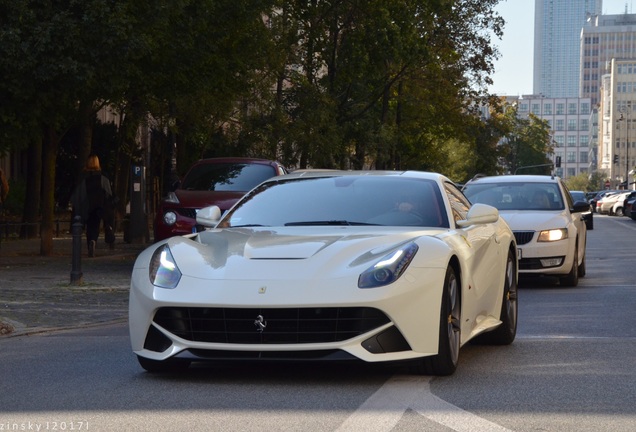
[
  {"x": 606, "y": 204},
  {"x": 618, "y": 209},
  {"x": 629, "y": 206},
  {"x": 330, "y": 265},
  {"x": 217, "y": 181},
  {"x": 587, "y": 216},
  {"x": 547, "y": 223},
  {"x": 601, "y": 194}
]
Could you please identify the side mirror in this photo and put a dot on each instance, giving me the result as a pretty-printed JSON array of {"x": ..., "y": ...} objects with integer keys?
[
  {"x": 209, "y": 216},
  {"x": 580, "y": 207},
  {"x": 480, "y": 214}
]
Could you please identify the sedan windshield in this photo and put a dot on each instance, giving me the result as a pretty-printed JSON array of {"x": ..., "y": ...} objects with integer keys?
[
  {"x": 235, "y": 177},
  {"x": 341, "y": 200},
  {"x": 516, "y": 195}
]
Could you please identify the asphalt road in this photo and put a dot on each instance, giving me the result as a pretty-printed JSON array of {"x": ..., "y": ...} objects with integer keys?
[{"x": 571, "y": 368}]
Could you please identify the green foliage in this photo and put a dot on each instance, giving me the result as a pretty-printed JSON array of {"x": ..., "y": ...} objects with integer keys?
[
  {"x": 385, "y": 84},
  {"x": 580, "y": 182},
  {"x": 526, "y": 144}
]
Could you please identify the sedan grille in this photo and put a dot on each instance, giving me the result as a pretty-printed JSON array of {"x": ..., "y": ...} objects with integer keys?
[
  {"x": 187, "y": 212},
  {"x": 269, "y": 326},
  {"x": 523, "y": 237}
]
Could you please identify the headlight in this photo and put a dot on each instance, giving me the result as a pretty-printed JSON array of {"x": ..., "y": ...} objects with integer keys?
[
  {"x": 388, "y": 269},
  {"x": 170, "y": 218},
  {"x": 553, "y": 235},
  {"x": 164, "y": 272},
  {"x": 172, "y": 198}
]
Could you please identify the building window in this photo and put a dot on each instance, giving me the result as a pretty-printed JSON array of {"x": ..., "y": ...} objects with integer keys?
[
  {"x": 583, "y": 157},
  {"x": 560, "y": 108},
  {"x": 536, "y": 110},
  {"x": 571, "y": 172},
  {"x": 585, "y": 125},
  {"x": 585, "y": 108},
  {"x": 558, "y": 140},
  {"x": 584, "y": 141},
  {"x": 572, "y": 124},
  {"x": 547, "y": 109},
  {"x": 571, "y": 140},
  {"x": 572, "y": 108},
  {"x": 560, "y": 124},
  {"x": 571, "y": 157}
]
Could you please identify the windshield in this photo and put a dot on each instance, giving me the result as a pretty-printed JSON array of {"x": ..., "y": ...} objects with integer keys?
[
  {"x": 233, "y": 177},
  {"x": 578, "y": 196},
  {"x": 342, "y": 200},
  {"x": 516, "y": 196}
]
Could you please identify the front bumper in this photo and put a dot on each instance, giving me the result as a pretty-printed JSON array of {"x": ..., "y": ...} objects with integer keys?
[
  {"x": 546, "y": 258},
  {"x": 203, "y": 319}
]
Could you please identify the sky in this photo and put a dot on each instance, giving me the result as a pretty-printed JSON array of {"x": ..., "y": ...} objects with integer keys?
[{"x": 513, "y": 70}]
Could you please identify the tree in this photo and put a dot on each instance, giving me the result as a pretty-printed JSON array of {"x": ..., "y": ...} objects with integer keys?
[
  {"x": 579, "y": 182},
  {"x": 527, "y": 143}
]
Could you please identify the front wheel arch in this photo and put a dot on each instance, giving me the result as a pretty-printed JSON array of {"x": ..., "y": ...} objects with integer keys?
[{"x": 449, "y": 339}]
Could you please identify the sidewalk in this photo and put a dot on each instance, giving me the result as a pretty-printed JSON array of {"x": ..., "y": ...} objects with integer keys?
[{"x": 36, "y": 294}]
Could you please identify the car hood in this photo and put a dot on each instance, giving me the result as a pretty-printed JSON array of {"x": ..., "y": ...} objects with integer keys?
[
  {"x": 199, "y": 199},
  {"x": 310, "y": 252},
  {"x": 535, "y": 220}
]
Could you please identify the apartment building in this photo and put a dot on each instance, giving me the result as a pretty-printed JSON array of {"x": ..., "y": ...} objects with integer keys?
[
  {"x": 557, "y": 39},
  {"x": 570, "y": 121},
  {"x": 617, "y": 116},
  {"x": 603, "y": 38}
]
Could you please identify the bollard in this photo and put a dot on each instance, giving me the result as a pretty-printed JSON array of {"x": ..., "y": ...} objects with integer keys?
[{"x": 76, "y": 230}]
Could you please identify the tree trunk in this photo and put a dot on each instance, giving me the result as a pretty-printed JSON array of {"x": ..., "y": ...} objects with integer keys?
[
  {"x": 49, "y": 156},
  {"x": 86, "y": 118},
  {"x": 32, "y": 201}
]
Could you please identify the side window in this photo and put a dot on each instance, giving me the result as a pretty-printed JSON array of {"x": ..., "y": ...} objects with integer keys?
[
  {"x": 567, "y": 195},
  {"x": 458, "y": 202}
]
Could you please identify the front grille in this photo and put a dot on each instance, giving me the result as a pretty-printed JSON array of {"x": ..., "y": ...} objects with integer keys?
[
  {"x": 281, "y": 326},
  {"x": 187, "y": 212},
  {"x": 523, "y": 237}
]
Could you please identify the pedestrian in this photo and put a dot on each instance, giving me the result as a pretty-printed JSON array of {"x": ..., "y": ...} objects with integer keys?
[
  {"x": 93, "y": 200},
  {"x": 4, "y": 190}
]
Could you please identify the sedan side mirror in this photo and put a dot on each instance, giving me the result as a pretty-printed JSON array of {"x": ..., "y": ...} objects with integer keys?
[
  {"x": 209, "y": 216},
  {"x": 479, "y": 214},
  {"x": 580, "y": 207}
]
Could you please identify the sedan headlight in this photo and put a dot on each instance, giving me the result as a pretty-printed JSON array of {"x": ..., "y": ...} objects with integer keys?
[
  {"x": 170, "y": 218},
  {"x": 553, "y": 235},
  {"x": 388, "y": 269},
  {"x": 164, "y": 272}
]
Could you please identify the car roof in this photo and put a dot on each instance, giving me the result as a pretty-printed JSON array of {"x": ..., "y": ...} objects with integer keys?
[
  {"x": 516, "y": 179},
  {"x": 234, "y": 160},
  {"x": 314, "y": 173}
]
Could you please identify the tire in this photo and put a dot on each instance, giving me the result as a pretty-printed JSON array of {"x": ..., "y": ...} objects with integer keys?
[
  {"x": 160, "y": 366},
  {"x": 572, "y": 278},
  {"x": 505, "y": 334},
  {"x": 445, "y": 362},
  {"x": 619, "y": 211}
]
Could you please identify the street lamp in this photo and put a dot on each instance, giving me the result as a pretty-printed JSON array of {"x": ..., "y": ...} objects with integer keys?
[{"x": 626, "y": 111}]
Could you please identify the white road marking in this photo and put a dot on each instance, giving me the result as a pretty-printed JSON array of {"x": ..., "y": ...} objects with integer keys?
[{"x": 384, "y": 409}]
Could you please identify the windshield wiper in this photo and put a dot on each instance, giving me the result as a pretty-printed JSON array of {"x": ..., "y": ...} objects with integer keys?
[
  {"x": 326, "y": 222},
  {"x": 247, "y": 226}
]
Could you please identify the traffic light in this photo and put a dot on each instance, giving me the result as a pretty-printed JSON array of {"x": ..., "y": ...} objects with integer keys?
[
  {"x": 615, "y": 159},
  {"x": 558, "y": 162}
]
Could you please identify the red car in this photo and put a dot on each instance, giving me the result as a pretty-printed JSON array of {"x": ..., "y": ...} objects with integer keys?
[{"x": 217, "y": 181}]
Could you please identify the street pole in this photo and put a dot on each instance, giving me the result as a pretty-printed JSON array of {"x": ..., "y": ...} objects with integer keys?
[{"x": 627, "y": 153}]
